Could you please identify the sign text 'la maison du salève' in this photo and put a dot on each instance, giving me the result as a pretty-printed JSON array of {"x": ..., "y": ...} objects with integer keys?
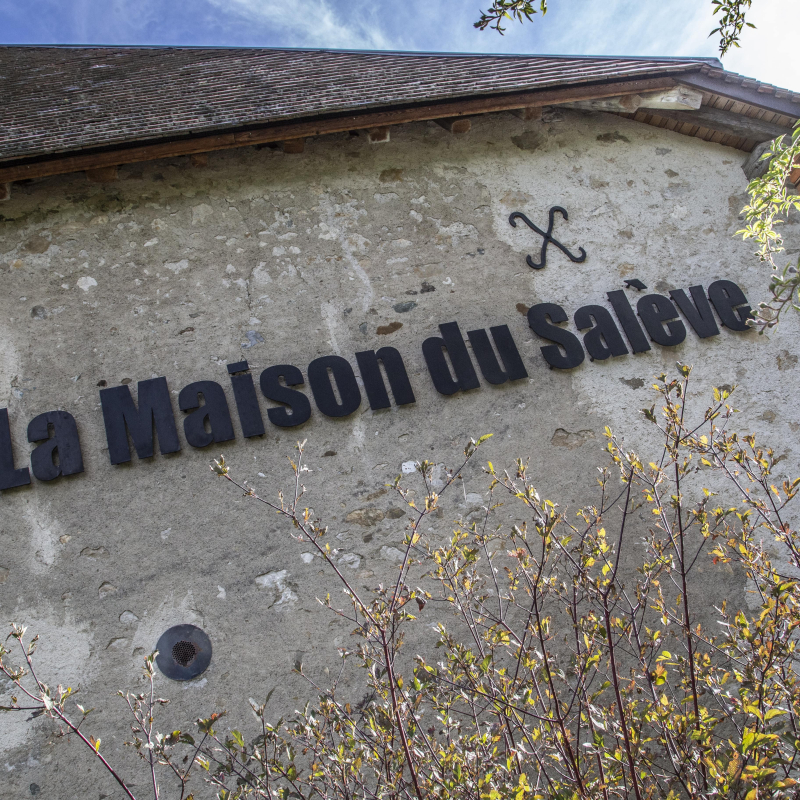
[{"x": 207, "y": 420}]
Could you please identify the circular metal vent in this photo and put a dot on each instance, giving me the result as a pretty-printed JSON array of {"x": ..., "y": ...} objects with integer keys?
[{"x": 184, "y": 652}]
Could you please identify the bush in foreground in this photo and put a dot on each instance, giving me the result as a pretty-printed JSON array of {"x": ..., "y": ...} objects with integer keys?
[{"x": 562, "y": 671}]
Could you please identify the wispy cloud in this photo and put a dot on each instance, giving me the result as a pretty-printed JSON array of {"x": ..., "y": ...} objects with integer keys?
[
  {"x": 768, "y": 52},
  {"x": 310, "y": 23}
]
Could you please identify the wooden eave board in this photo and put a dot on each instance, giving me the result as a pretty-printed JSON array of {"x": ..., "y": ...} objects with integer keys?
[{"x": 712, "y": 100}]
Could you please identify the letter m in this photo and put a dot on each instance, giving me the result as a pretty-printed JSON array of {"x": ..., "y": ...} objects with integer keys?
[{"x": 121, "y": 418}]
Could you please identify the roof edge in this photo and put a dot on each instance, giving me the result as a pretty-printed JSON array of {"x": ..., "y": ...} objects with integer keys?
[
  {"x": 592, "y": 89},
  {"x": 300, "y": 127},
  {"x": 711, "y": 60}
]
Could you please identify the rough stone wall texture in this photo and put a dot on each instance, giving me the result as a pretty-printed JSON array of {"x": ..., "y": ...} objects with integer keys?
[{"x": 276, "y": 258}]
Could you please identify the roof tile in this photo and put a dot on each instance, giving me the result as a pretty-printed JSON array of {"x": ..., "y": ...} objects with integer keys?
[{"x": 62, "y": 99}]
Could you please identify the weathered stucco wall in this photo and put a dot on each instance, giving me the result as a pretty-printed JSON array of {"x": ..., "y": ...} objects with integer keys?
[{"x": 175, "y": 271}]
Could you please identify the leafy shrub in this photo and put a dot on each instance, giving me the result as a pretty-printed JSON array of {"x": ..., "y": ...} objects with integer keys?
[{"x": 572, "y": 662}]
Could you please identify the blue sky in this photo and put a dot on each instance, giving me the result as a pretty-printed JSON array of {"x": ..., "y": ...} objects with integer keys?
[{"x": 601, "y": 27}]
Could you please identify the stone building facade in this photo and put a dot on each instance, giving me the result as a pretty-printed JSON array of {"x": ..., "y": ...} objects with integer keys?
[{"x": 154, "y": 237}]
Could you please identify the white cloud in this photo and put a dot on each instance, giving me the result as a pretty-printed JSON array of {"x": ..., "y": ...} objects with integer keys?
[
  {"x": 312, "y": 23},
  {"x": 767, "y": 53}
]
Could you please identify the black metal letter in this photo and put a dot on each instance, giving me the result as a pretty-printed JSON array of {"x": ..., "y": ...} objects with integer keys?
[
  {"x": 214, "y": 412},
  {"x": 604, "y": 339},
  {"x": 374, "y": 384},
  {"x": 731, "y": 305},
  {"x": 698, "y": 312},
  {"x": 297, "y": 403},
  {"x": 322, "y": 386},
  {"x": 487, "y": 361},
  {"x": 64, "y": 442},
  {"x": 433, "y": 350},
  {"x": 630, "y": 325},
  {"x": 122, "y": 417},
  {"x": 540, "y": 318},
  {"x": 655, "y": 309},
  {"x": 10, "y": 477},
  {"x": 244, "y": 392}
]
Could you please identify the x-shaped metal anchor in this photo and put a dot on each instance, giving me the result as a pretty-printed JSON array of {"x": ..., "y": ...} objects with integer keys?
[{"x": 547, "y": 236}]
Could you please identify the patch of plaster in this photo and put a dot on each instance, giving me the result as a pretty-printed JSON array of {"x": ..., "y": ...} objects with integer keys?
[
  {"x": 86, "y": 283},
  {"x": 201, "y": 213},
  {"x": 171, "y": 611},
  {"x": 63, "y": 656},
  {"x": 177, "y": 266},
  {"x": 337, "y": 219},
  {"x": 9, "y": 365},
  {"x": 330, "y": 316},
  {"x": 392, "y": 554},
  {"x": 278, "y": 587},
  {"x": 44, "y": 534}
]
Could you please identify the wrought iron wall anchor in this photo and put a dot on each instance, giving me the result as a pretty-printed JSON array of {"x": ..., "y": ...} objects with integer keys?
[{"x": 547, "y": 237}]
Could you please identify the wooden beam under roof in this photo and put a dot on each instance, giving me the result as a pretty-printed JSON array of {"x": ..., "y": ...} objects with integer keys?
[
  {"x": 455, "y": 124},
  {"x": 294, "y": 146},
  {"x": 758, "y": 96},
  {"x": 378, "y": 135},
  {"x": 678, "y": 98},
  {"x": 528, "y": 114},
  {"x": 717, "y": 119}
]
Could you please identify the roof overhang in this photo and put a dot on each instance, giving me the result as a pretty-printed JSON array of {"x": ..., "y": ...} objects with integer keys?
[{"x": 734, "y": 111}]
